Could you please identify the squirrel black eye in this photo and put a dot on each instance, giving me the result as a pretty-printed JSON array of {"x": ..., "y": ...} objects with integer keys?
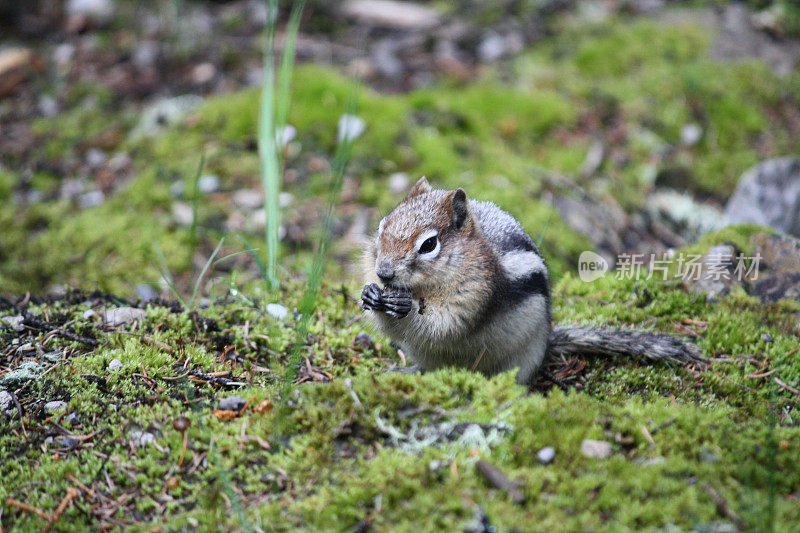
[{"x": 428, "y": 245}]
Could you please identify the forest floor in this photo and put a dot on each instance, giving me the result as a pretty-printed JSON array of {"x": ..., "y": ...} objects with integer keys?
[{"x": 122, "y": 407}]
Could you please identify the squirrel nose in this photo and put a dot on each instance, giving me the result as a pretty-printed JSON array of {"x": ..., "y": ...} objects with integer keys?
[{"x": 385, "y": 272}]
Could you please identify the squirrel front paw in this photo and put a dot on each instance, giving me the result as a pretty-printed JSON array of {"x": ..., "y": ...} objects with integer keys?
[
  {"x": 398, "y": 302},
  {"x": 372, "y": 298},
  {"x": 394, "y": 302}
]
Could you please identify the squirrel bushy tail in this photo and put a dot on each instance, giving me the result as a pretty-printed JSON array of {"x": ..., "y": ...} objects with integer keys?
[{"x": 581, "y": 340}]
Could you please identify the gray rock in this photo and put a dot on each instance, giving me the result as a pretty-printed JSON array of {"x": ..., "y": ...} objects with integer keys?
[
  {"x": 681, "y": 214},
  {"x": 73, "y": 419},
  {"x": 248, "y": 198},
  {"x": 285, "y": 199},
  {"x": 124, "y": 315},
  {"x": 88, "y": 314},
  {"x": 71, "y": 188},
  {"x": 277, "y": 310},
  {"x": 691, "y": 134},
  {"x": 182, "y": 213},
  {"x": 6, "y": 402},
  {"x": 546, "y": 455},
  {"x": 594, "y": 158},
  {"x": 48, "y": 106},
  {"x": 68, "y": 442},
  {"x": 56, "y": 405},
  {"x": 145, "y": 292},
  {"x": 208, "y": 184},
  {"x": 768, "y": 194},
  {"x": 176, "y": 189},
  {"x": 63, "y": 54},
  {"x": 142, "y": 438},
  {"x": 13, "y": 322},
  {"x": 231, "y": 403},
  {"x": 385, "y": 60},
  {"x": 596, "y": 449},
  {"x": 146, "y": 54},
  {"x": 163, "y": 113},
  {"x": 114, "y": 365},
  {"x": 95, "y": 158},
  {"x": 492, "y": 47},
  {"x": 777, "y": 275},
  {"x": 391, "y": 14},
  {"x": 119, "y": 162},
  {"x": 91, "y": 199},
  {"x": 714, "y": 274},
  {"x": 203, "y": 73},
  {"x": 602, "y": 222}
]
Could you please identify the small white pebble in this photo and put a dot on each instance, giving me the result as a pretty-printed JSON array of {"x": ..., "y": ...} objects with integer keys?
[
  {"x": 277, "y": 310},
  {"x": 5, "y": 401},
  {"x": 286, "y": 136},
  {"x": 399, "y": 182},
  {"x": 546, "y": 455},
  {"x": 597, "y": 449},
  {"x": 56, "y": 405},
  {"x": 691, "y": 134},
  {"x": 350, "y": 128},
  {"x": 124, "y": 315},
  {"x": 115, "y": 364},
  {"x": 208, "y": 184},
  {"x": 91, "y": 199}
]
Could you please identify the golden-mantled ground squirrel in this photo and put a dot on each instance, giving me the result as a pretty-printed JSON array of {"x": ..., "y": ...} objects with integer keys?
[{"x": 457, "y": 282}]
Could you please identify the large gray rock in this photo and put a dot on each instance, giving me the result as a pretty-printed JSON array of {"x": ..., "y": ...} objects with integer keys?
[
  {"x": 778, "y": 274},
  {"x": 768, "y": 194}
]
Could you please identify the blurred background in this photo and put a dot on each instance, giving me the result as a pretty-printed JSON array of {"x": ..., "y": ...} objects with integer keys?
[{"x": 129, "y": 149}]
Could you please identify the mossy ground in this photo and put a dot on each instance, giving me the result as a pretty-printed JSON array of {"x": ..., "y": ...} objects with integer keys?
[
  {"x": 326, "y": 458},
  {"x": 631, "y": 86}
]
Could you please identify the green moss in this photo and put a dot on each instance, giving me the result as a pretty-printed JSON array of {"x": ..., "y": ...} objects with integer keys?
[
  {"x": 332, "y": 462},
  {"x": 659, "y": 78},
  {"x": 342, "y": 454}
]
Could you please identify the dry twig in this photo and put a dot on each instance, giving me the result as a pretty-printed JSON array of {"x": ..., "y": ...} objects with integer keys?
[
  {"x": 499, "y": 480},
  {"x": 723, "y": 508},
  {"x": 72, "y": 493}
]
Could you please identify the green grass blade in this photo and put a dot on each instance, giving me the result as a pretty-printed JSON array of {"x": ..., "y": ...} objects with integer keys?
[
  {"x": 163, "y": 269},
  {"x": 267, "y": 148},
  {"x": 203, "y": 272},
  {"x": 308, "y": 302},
  {"x": 544, "y": 231},
  {"x": 285, "y": 74},
  {"x": 234, "y": 254},
  {"x": 262, "y": 268},
  {"x": 195, "y": 203}
]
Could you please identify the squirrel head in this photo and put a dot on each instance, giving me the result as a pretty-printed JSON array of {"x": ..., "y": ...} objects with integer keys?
[{"x": 425, "y": 239}]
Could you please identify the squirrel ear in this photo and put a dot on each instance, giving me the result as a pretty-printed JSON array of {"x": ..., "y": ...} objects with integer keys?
[
  {"x": 421, "y": 187},
  {"x": 459, "y": 207}
]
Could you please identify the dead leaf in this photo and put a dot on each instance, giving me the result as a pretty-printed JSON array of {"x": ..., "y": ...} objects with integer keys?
[
  {"x": 225, "y": 415},
  {"x": 263, "y": 407}
]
